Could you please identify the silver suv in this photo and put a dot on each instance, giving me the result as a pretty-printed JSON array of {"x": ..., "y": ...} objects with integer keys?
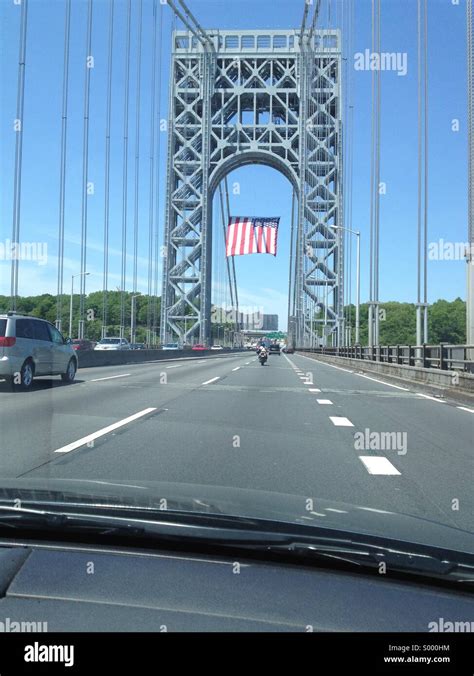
[{"x": 32, "y": 347}]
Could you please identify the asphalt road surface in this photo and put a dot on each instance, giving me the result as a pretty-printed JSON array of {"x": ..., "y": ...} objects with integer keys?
[{"x": 295, "y": 426}]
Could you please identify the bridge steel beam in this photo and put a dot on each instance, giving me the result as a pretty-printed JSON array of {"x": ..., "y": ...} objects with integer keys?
[{"x": 253, "y": 97}]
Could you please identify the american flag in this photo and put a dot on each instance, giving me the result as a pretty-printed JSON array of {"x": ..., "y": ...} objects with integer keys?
[{"x": 247, "y": 235}]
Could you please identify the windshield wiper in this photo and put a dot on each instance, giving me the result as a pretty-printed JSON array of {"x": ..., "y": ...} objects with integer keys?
[{"x": 253, "y": 537}]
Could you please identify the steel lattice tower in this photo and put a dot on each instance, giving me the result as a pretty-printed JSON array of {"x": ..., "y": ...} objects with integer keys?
[{"x": 256, "y": 97}]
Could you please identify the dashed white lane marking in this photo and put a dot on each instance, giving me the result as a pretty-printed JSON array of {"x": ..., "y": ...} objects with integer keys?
[
  {"x": 382, "y": 382},
  {"x": 176, "y": 366},
  {"x": 378, "y": 465},
  {"x": 314, "y": 389},
  {"x": 104, "y": 430},
  {"x": 427, "y": 396},
  {"x": 96, "y": 380},
  {"x": 340, "y": 421},
  {"x": 212, "y": 380},
  {"x": 324, "y": 402},
  {"x": 236, "y": 368},
  {"x": 465, "y": 408}
]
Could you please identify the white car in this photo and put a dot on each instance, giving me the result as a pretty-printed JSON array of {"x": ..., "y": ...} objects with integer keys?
[
  {"x": 217, "y": 347},
  {"x": 112, "y": 344},
  {"x": 171, "y": 346}
]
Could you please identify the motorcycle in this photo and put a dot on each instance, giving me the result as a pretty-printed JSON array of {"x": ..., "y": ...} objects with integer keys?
[{"x": 262, "y": 357}]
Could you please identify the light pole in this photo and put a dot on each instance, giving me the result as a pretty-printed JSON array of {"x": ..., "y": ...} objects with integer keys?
[
  {"x": 80, "y": 274},
  {"x": 357, "y": 234},
  {"x": 132, "y": 318}
]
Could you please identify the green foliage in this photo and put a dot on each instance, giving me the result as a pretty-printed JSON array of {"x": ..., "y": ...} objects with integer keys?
[{"x": 446, "y": 322}]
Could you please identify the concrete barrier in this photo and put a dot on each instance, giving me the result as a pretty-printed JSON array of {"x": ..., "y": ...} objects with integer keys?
[
  {"x": 93, "y": 358},
  {"x": 446, "y": 383}
]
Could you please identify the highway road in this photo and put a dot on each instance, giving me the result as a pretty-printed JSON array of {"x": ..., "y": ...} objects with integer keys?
[{"x": 295, "y": 426}]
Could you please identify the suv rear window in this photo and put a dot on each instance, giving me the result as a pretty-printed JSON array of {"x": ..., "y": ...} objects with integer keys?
[
  {"x": 24, "y": 328},
  {"x": 41, "y": 331},
  {"x": 3, "y": 327}
]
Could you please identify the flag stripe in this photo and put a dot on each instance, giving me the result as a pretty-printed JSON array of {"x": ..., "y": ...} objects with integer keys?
[{"x": 247, "y": 235}]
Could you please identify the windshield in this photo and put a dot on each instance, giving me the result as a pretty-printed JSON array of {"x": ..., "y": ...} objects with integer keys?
[{"x": 288, "y": 175}]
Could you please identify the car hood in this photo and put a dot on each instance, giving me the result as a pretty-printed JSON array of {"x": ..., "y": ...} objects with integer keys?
[{"x": 291, "y": 509}]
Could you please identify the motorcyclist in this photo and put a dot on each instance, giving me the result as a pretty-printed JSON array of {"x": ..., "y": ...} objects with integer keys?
[{"x": 262, "y": 351}]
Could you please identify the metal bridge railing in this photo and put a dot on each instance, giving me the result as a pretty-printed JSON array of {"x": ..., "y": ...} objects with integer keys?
[{"x": 443, "y": 356}]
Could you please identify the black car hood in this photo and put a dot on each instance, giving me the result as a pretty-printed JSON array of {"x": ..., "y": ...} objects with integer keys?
[{"x": 281, "y": 507}]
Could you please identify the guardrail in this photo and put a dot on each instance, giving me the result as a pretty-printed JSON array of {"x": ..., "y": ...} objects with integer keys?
[
  {"x": 443, "y": 357},
  {"x": 92, "y": 358}
]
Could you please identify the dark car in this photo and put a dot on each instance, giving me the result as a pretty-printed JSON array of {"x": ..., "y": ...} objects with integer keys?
[
  {"x": 137, "y": 346},
  {"x": 275, "y": 349},
  {"x": 80, "y": 344},
  {"x": 289, "y": 350}
]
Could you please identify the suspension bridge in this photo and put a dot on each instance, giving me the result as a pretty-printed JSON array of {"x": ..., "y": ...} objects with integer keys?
[
  {"x": 129, "y": 127},
  {"x": 279, "y": 98}
]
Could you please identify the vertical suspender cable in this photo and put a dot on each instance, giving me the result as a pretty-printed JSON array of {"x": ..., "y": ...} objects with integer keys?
[
  {"x": 105, "y": 283},
  {"x": 62, "y": 175},
  {"x": 125, "y": 174},
  {"x": 377, "y": 180},
  {"x": 234, "y": 274},
  {"x": 149, "y": 311},
  {"x": 18, "y": 151},
  {"x": 85, "y": 168},
  {"x": 419, "y": 205},
  {"x": 425, "y": 219},
  {"x": 158, "y": 177},
  {"x": 229, "y": 274},
  {"x": 137, "y": 147},
  {"x": 372, "y": 194},
  {"x": 470, "y": 170},
  {"x": 290, "y": 286}
]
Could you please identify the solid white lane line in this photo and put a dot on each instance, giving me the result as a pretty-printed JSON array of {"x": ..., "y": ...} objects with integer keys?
[
  {"x": 314, "y": 389},
  {"x": 378, "y": 465},
  {"x": 333, "y": 366},
  {"x": 465, "y": 408},
  {"x": 96, "y": 380},
  {"x": 340, "y": 421},
  {"x": 236, "y": 368},
  {"x": 104, "y": 430},
  {"x": 382, "y": 382},
  {"x": 427, "y": 396},
  {"x": 212, "y": 380},
  {"x": 326, "y": 402}
]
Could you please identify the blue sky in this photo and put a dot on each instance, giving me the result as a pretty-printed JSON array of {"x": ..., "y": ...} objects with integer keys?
[{"x": 262, "y": 279}]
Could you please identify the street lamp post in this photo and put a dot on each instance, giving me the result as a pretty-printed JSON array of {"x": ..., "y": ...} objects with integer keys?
[
  {"x": 80, "y": 274},
  {"x": 357, "y": 234},
  {"x": 132, "y": 318}
]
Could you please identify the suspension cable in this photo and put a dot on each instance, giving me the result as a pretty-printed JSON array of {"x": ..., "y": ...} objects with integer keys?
[
  {"x": 105, "y": 283},
  {"x": 125, "y": 173},
  {"x": 62, "y": 177}
]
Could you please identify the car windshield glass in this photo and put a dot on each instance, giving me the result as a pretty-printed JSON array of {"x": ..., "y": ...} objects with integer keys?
[{"x": 262, "y": 179}]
